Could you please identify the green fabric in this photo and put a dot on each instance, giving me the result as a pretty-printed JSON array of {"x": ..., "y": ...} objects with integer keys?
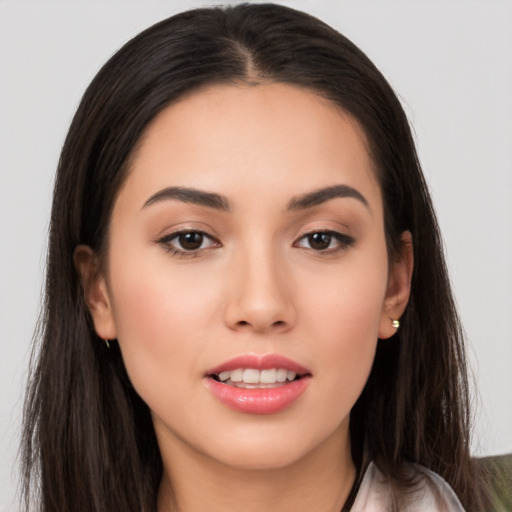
[{"x": 498, "y": 470}]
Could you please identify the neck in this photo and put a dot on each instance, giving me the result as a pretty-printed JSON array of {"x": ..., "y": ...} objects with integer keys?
[{"x": 319, "y": 481}]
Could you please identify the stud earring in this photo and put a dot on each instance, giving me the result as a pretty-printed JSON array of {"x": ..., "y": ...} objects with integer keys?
[{"x": 395, "y": 323}]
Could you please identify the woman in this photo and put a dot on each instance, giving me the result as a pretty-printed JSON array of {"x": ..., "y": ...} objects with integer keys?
[{"x": 246, "y": 288}]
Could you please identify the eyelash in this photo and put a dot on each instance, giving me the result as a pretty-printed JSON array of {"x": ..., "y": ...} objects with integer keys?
[
  {"x": 183, "y": 253},
  {"x": 344, "y": 241}
]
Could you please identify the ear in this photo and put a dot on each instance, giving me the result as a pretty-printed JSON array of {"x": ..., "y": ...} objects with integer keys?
[
  {"x": 95, "y": 291},
  {"x": 399, "y": 287}
]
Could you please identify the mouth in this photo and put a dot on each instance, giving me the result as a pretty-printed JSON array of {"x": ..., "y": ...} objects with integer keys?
[
  {"x": 258, "y": 384},
  {"x": 252, "y": 378}
]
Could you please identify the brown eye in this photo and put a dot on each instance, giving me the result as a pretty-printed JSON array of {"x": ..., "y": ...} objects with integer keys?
[
  {"x": 325, "y": 241},
  {"x": 188, "y": 243},
  {"x": 319, "y": 241},
  {"x": 191, "y": 241}
]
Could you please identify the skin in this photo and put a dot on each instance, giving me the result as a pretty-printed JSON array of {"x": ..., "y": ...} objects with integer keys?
[{"x": 256, "y": 286}]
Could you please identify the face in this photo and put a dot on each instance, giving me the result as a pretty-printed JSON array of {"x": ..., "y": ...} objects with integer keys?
[{"x": 247, "y": 279}]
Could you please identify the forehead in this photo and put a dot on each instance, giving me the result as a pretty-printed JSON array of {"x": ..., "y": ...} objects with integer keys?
[{"x": 264, "y": 137}]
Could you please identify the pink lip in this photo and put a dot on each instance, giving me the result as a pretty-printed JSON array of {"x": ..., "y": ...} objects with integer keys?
[
  {"x": 259, "y": 362},
  {"x": 259, "y": 401}
]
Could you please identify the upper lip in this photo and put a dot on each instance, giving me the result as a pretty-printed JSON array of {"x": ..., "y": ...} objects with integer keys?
[{"x": 259, "y": 362}]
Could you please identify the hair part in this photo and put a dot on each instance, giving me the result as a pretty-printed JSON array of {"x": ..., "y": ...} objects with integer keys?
[{"x": 89, "y": 438}]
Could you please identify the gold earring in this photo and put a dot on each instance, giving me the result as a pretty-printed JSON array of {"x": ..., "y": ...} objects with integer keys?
[{"x": 395, "y": 323}]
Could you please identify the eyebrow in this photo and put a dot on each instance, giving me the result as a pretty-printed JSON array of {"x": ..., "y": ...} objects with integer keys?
[
  {"x": 219, "y": 202},
  {"x": 190, "y": 195},
  {"x": 326, "y": 194}
]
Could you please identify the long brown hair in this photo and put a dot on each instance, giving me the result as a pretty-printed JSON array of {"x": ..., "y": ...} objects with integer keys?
[{"x": 89, "y": 443}]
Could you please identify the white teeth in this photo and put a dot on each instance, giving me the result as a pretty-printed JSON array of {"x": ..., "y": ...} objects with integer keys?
[
  {"x": 281, "y": 375},
  {"x": 268, "y": 376},
  {"x": 224, "y": 376},
  {"x": 237, "y": 375},
  {"x": 252, "y": 376}
]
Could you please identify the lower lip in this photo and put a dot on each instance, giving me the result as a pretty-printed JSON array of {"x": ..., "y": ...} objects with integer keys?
[{"x": 259, "y": 401}]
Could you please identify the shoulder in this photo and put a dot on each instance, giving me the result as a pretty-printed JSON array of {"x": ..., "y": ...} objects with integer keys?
[{"x": 429, "y": 493}]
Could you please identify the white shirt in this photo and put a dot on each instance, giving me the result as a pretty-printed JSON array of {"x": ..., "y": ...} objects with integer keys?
[{"x": 431, "y": 494}]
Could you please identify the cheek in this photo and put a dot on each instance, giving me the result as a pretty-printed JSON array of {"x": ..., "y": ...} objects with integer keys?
[
  {"x": 348, "y": 300},
  {"x": 163, "y": 318},
  {"x": 344, "y": 316}
]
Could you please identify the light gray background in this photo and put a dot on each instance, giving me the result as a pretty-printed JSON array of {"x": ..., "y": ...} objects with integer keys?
[{"x": 450, "y": 62}]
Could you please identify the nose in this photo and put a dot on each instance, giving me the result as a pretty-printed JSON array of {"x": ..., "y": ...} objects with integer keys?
[{"x": 260, "y": 294}]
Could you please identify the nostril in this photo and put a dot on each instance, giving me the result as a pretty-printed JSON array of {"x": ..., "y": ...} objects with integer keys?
[{"x": 245, "y": 323}]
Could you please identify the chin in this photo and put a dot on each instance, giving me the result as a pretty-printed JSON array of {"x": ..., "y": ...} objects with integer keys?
[
  {"x": 270, "y": 448},
  {"x": 258, "y": 458}
]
